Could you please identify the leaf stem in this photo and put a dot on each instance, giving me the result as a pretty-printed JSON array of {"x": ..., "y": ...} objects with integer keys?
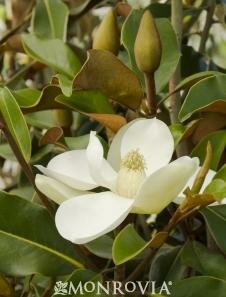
[
  {"x": 208, "y": 23},
  {"x": 151, "y": 92},
  {"x": 14, "y": 30},
  {"x": 174, "y": 99}
]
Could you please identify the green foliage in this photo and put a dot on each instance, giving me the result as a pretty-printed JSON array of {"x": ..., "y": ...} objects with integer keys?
[
  {"x": 202, "y": 286},
  {"x": 203, "y": 95},
  {"x": 56, "y": 89},
  {"x": 52, "y": 52},
  {"x": 215, "y": 219},
  {"x": 50, "y": 19},
  {"x": 101, "y": 247},
  {"x": 35, "y": 246},
  {"x": 167, "y": 265},
  {"x": 203, "y": 260},
  {"x": 218, "y": 143},
  {"x": 87, "y": 101},
  {"x": 127, "y": 245},
  {"x": 15, "y": 122}
]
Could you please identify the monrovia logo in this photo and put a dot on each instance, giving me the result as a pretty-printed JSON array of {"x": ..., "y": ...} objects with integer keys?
[{"x": 111, "y": 288}]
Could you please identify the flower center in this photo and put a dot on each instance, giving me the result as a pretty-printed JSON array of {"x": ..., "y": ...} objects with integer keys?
[{"x": 131, "y": 174}]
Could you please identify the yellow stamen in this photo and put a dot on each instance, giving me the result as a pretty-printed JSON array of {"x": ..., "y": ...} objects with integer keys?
[
  {"x": 131, "y": 174},
  {"x": 134, "y": 160}
]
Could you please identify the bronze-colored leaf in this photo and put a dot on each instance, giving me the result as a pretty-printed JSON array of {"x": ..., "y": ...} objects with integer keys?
[
  {"x": 103, "y": 71},
  {"x": 52, "y": 136},
  {"x": 217, "y": 106},
  {"x": 45, "y": 101},
  {"x": 112, "y": 121},
  {"x": 209, "y": 123}
]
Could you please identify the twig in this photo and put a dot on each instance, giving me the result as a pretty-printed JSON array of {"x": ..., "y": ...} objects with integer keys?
[
  {"x": 13, "y": 31},
  {"x": 140, "y": 267},
  {"x": 207, "y": 26},
  {"x": 174, "y": 100},
  {"x": 48, "y": 289},
  {"x": 19, "y": 74},
  {"x": 151, "y": 92}
]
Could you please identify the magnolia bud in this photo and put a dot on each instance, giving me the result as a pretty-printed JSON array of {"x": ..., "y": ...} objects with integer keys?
[
  {"x": 147, "y": 48},
  {"x": 107, "y": 35}
]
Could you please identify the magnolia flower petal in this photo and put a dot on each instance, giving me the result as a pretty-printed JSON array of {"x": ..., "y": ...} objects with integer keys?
[
  {"x": 114, "y": 153},
  {"x": 100, "y": 170},
  {"x": 164, "y": 185},
  {"x": 70, "y": 168},
  {"x": 153, "y": 139},
  {"x": 190, "y": 183},
  {"x": 55, "y": 190},
  {"x": 83, "y": 219}
]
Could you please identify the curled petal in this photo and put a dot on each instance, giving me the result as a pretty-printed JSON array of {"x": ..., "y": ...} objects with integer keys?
[
  {"x": 70, "y": 168},
  {"x": 153, "y": 139},
  {"x": 55, "y": 190},
  {"x": 83, "y": 219},
  {"x": 100, "y": 170},
  {"x": 164, "y": 185}
]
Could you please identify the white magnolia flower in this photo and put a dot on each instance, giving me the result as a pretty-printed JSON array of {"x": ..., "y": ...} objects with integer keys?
[{"x": 137, "y": 176}]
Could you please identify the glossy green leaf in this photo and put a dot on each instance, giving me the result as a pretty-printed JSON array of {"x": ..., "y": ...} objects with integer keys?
[
  {"x": 166, "y": 265},
  {"x": 16, "y": 124},
  {"x": 6, "y": 152},
  {"x": 208, "y": 91},
  {"x": 127, "y": 245},
  {"x": 41, "y": 119},
  {"x": 87, "y": 101},
  {"x": 32, "y": 100},
  {"x": 217, "y": 188},
  {"x": 65, "y": 84},
  {"x": 160, "y": 10},
  {"x": 203, "y": 260},
  {"x": 41, "y": 153},
  {"x": 77, "y": 143},
  {"x": 29, "y": 241},
  {"x": 101, "y": 247},
  {"x": 200, "y": 286},
  {"x": 170, "y": 52},
  {"x": 218, "y": 143},
  {"x": 26, "y": 192},
  {"x": 221, "y": 174},
  {"x": 181, "y": 132},
  {"x": 189, "y": 81},
  {"x": 50, "y": 18},
  {"x": 52, "y": 52},
  {"x": 215, "y": 218},
  {"x": 27, "y": 97}
]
